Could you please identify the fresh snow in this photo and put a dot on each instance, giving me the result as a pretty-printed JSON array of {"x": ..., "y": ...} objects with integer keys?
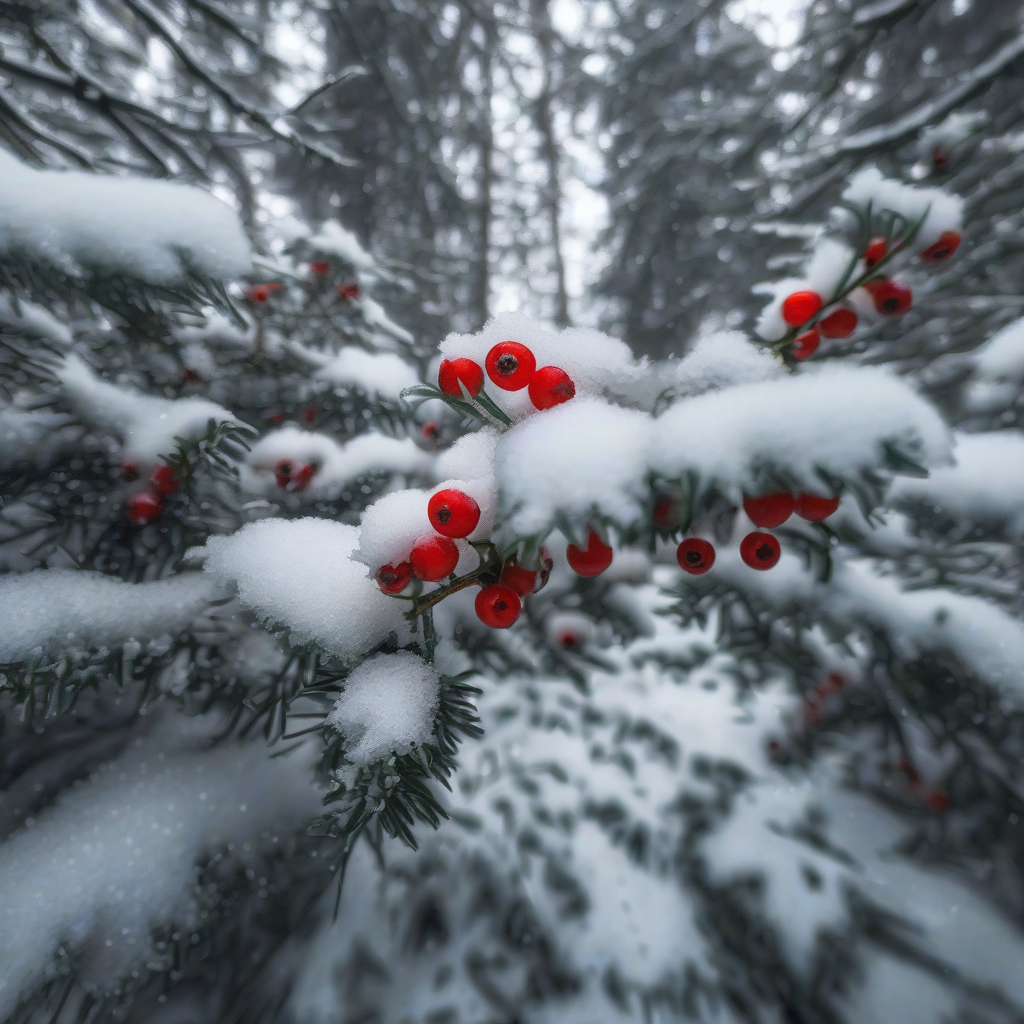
[
  {"x": 985, "y": 485},
  {"x": 387, "y": 706},
  {"x": 53, "y": 610},
  {"x": 378, "y": 374},
  {"x": 1001, "y": 358},
  {"x": 338, "y": 465},
  {"x": 117, "y": 855},
  {"x": 146, "y": 424},
  {"x": 298, "y": 574},
  {"x": 719, "y": 360},
  {"x": 335, "y": 240},
  {"x": 81, "y": 223}
]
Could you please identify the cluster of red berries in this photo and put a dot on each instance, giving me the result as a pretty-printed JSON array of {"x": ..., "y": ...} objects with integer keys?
[
  {"x": 454, "y": 515},
  {"x": 511, "y": 367},
  {"x": 759, "y": 550},
  {"x": 294, "y": 476},
  {"x": 259, "y": 294},
  {"x": 146, "y": 506},
  {"x": 890, "y": 298}
]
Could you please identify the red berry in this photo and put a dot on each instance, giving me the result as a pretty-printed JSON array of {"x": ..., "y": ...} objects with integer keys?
[
  {"x": 810, "y": 506},
  {"x": 453, "y": 513},
  {"x": 550, "y": 386},
  {"x": 940, "y": 251},
  {"x": 840, "y": 324},
  {"x": 433, "y": 557},
  {"x": 591, "y": 560},
  {"x": 430, "y": 432},
  {"x": 510, "y": 365},
  {"x": 293, "y": 476},
  {"x": 129, "y": 471},
  {"x": 321, "y": 268},
  {"x": 800, "y": 307},
  {"x": 310, "y": 413},
  {"x": 349, "y": 290},
  {"x": 695, "y": 556},
  {"x": 569, "y": 640},
  {"x": 453, "y": 371},
  {"x": 760, "y": 550},
  {"x": 393, "y": 579},
  {"x": 526, "y": 581},
  {"x": 805, "y": 345},
  {"x": 190, "y": 376},
  {"x": 666, "y": 513},
  {"x": 498, "y": 606},
  {"x": 769, "y": 510},
  {"x": 939, "y": 159},
  {"x": 937, "y": 800},
  {"x": 892, "y": 298},
  {"x": 876, "y": 250},
  {"x": 259, "y": 293},
  {"x": 274, "y": 415},
  {"x": 164, "y": 480},
  {"x": 143, "y": 508}
]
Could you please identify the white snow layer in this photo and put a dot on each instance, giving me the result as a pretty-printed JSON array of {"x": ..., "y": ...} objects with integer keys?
[
  {"x": 30, "y": 319},
  {"x": 985, "y": 485},
  {"x": 335, "y": 240},
  {"x": 116, "y": 855},
  {"x": 337, "y": 464},
  {"x": 944, "y": 210},
  {"x": 588, "y": 456},
  {"x": 153, "y": 230},
  {"x": 147, "y": 424},
  {"x": 383, "y": 374},
  {"x": 299, "y": 574},
  {"x": 387, "y": 706},
  {"x": 1001, "y": 358},
  {"x": 51, "y": 610},
  {"x": 723, "y": 359}
]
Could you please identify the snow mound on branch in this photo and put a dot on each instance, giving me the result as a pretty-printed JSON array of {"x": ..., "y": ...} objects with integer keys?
[
  {"x": 33, "y": 435},
  {"x": 580, "y": 460},
  {"x": 377, "y": 373},
  {"x": 216, "y": 331},
  {"x": 160, "y": 232},
  {"x": 724, "y": 359},
  {"x": 944, "y": 210},
  {"x": 146, "y": 424},
  {"x": 825, "y": 268},
  {"x": 337, "y": 464},
  {"x": 299, "y": 574},
  {"x": 595, "y": 362},
  {"x": 470, "y": 457},
  {"x": 116, "y": 855},
  {"x": 335, "y": 240},
  {"x": 387, "y": 706},
  {"x": 1001, "y": 358},
  {"x": 986, "y": 484},
  {"x": 837, "y": 419},
  {"x": 51, "y": 610},
  {"x": 29, "y": 320}
]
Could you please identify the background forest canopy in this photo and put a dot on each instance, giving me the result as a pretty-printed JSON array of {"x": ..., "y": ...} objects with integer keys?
[{"x": 240, "y": 243}]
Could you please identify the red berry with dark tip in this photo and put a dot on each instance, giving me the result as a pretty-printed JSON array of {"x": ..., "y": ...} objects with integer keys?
[
  {"x": 510, "y": 365},
  {"x": 452, "y": 371},
  {"x": 348, "y": 291},
  {"x": 433, "y": 557},
  {"x": 591, "y": 560},
  {"x": 695, "y": 556},
  {"x": 799, "y": 307},
  {"x": 875, "y": 252},
  {"x": 129, "y": 471},
  {"x": 892, "y": 298},
  {"x": 498, "y": 606},
  {"x": 769, "y": 510},
  {"x": 940, "y": 251},
  {"x": 760, "y": 550},
  {"x": 283, "y": 470},
  {"x": 164, "y": 480},
  {"x": 393, "y": 579},
  {"x": 301, "y": 477},
  {"x": 805, "y": 345},
  {"x": 453, "y": 513},
  {"x": 840, "y": 324},
  {"x": 815, "y": 509},
  {"x": 143, "y": 508},
  {"x": 550, "y": 386}
]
